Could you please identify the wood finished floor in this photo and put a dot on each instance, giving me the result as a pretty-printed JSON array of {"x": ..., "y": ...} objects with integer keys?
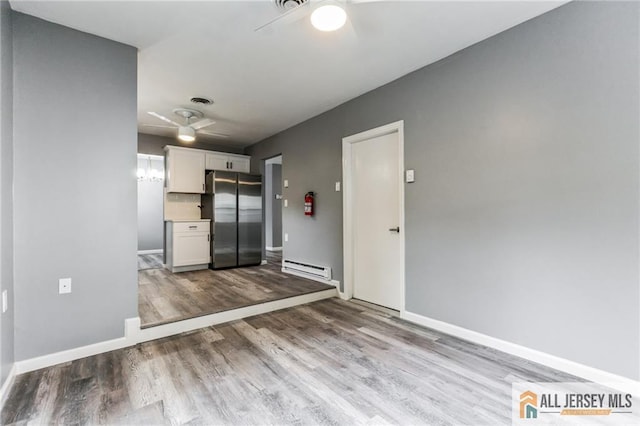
[
  {"x": 149, "y": 261},
  {"x": 165, "y": 297},
  {"x": 329, "y": 362}
]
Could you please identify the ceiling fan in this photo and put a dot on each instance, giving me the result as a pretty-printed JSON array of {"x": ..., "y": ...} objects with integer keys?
[
  {"x": 187, "y": 131},
  {"x": 325, "y": 15}
]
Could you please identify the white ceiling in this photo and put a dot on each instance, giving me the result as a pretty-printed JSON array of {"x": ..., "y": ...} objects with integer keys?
[{"x": 263, "y": 83}]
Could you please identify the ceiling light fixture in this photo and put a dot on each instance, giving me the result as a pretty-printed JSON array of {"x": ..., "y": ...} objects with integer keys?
[
  {"x": 186, "y": 134},
  {"x": 328, "y": 18}
]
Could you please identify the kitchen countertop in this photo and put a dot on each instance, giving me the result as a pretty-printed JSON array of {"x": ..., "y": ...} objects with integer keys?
[{"x": 188, "y": 220}]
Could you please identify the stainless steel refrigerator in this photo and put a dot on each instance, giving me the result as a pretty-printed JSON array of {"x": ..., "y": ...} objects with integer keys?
[{"x": 233, "y": 202}]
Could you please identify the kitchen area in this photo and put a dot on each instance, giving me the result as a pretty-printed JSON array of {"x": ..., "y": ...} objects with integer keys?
[
  {"x": 213, "y": 242},
  {"x": 212, "y": 211}
]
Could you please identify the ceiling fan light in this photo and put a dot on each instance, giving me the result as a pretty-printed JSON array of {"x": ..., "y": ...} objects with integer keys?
[
  {"x": 328, "y": 18},
  {"x": 186, "y": 134}
]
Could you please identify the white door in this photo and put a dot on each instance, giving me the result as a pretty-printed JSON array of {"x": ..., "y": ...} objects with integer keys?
[{"x": 376, "y": 206}]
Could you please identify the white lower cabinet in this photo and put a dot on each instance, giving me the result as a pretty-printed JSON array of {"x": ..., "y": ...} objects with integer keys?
[{"x": 188, "y": 245}]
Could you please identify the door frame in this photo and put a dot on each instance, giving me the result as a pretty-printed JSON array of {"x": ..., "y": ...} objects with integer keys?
[
  {"x": 347, "y": 203},
  {"x": 265, "y": 213}
]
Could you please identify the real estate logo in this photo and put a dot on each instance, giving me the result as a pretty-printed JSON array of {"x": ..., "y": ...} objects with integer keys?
[
  {"x": 528, "y": 405},
  {"x": 571, "y": 403}
]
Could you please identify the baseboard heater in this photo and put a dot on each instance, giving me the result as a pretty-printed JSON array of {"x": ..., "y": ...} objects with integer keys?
[{"x": 316, "y": 271}]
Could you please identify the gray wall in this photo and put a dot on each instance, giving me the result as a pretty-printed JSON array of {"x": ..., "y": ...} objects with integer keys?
[
  {"x": 154, "y": 145},
  {"x": 268, "y": 205},
  {"x": 276, "y": 223},
  {"x": 273, "y": 207},
  {"x": 6, "y": 188},
  {"x": 523, "y": 221},
  {"x": 311, "y": 161},
  {"x": 75, "y": 187},
  {"x": 150, "y": 213}
]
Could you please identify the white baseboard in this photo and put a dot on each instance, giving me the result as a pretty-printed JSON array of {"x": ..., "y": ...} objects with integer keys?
[
  {"x": 6, "y": 386},
  {"x": 131, "y": 327},
  {"x": 174, "y": 328},
  {"x": 133, "y": 334},
  {"x": 155, "y": 251},
  {"x": 273, "y": 248},
  {"x": 592, "y": 374},
  {"x": 61, "y": 357}
]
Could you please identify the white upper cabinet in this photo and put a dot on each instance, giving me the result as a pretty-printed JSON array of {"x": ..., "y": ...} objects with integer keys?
[
  {"x": 186, "y": 167},
  {"x": 215, "y": 161},
  {"x": 240, "y": 163},
  {"x": 185, "y": 170},
  {"x": 230, "y": 162}
]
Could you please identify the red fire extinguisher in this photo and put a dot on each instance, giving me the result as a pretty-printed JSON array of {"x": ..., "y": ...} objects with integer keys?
[{"x": 308, "y": 204}]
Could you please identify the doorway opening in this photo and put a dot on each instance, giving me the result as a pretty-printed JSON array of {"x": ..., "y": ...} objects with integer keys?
[
  {"x": 204, "y": 296},
  {"x": 273, "y": 209},
  {"x": 150, "y": 211}
]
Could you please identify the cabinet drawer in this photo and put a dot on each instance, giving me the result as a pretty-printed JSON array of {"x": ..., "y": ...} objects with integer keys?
[{"x": 191, "y": 227}]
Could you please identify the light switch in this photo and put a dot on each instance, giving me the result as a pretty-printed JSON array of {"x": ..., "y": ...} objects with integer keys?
[
  {"x": 337, "y": 186},
  {"x": 410, "y": 176},
  {"x": 285, "y": 183},
  {"x": 5, "y": 302},
  {"x": 286, "y": 237},
  {"x": 64, "y": 285},
  {"x": 286, "y": 203}
]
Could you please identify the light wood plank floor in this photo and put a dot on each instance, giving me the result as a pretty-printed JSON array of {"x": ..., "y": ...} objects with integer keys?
[
  {"x": 149, "y": 261},
  {"x": 165, "y": 297},
  {"x": 329, "y": 362}
]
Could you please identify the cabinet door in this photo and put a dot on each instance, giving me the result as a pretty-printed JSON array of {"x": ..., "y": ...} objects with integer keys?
[
  {"x": 239, "y": 164},
  {"x": 190, "y": 248},
  {"x": 216, "y": 162},
  {"x": 186, "y": 171}
]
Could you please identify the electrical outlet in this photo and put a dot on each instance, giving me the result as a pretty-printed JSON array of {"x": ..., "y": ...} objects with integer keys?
[
  {"x": 337, "y": 186},
  {"x": 285, "y": 183},
  {"x": 411, "y": 177},
  {"x": 64, "y": 285},
  {"x": 286, "y": 203},
  {"x": 286, "y": 237},
  {"x": 5, "y": 302}
]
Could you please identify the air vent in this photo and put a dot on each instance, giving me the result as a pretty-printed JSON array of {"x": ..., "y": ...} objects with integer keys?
[
  {"x": 202, "y": 101},
  {"x": 289, "y": 4}
]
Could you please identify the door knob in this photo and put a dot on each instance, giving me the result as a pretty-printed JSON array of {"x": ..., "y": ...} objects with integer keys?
[{"x": 396, "y": 229}]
